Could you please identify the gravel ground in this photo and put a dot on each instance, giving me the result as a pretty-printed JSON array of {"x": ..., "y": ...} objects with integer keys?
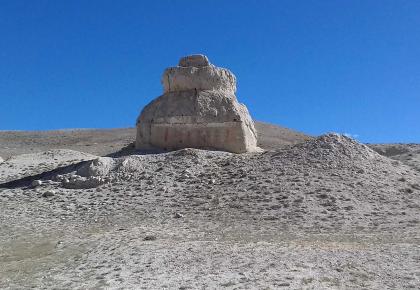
[
  {"x": 328, "y": 213},
  {"x": 408, "y": 154}
]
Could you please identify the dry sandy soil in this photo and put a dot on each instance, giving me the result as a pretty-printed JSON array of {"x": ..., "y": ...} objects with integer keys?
[
  {"x": 307, "y": 213},
  {"x": 103, "y": 142}
]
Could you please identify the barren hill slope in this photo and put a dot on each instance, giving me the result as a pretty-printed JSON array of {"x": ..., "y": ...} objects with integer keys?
[
  {"x": 327, "y": 213},
  {"x": 102, "y": 142},
  {"x": 408, "y": 154}
]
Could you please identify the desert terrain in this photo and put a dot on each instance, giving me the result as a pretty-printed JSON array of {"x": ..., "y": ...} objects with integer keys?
[{"x": 82, "y": 209}]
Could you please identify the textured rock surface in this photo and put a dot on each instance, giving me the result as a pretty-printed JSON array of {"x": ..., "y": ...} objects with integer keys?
[
  {"x": 177, "y": 79},
  {"x": 97, "y": 167},
  {"x": 196, "y": 60},
  {"x": 198, "y": 109},
  {"x": 79, "y": 182}
]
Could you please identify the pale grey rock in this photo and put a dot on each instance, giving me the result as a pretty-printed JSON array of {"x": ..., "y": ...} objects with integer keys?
[
  {"x": 198, "y": 109},
  {"x": 36, "y": 183},
  {"x": 195, "y": 60},
  {"x": 1, "y": 159},
  {"x": 178, "y": 215},
  {"x": 176, "y": 79},
  {"x": 97, "y": 167},
  {"x": 79, "y": 182},
  {"x": 48, "y": 193},
  {"x": 150, "y": 238}
]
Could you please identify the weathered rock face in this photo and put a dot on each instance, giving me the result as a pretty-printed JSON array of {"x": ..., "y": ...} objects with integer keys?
[
  {"x": 199, "y": 75},
  {"x": 198, "y": 109}
]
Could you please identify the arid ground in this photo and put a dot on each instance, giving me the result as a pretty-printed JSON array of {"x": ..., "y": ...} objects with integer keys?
[{"x": 81, "y": 209}]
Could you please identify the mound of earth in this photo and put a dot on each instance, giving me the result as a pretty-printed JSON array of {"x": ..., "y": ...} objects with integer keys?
[
  {"x": 325, "y": 213},
  {"x": 332, "y": 176}
]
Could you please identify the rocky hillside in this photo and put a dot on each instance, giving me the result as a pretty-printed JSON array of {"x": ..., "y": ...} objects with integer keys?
[
  {"x": 331, "y": 182},
  {"x": 408, "y": 154},
  {"x": 325, "y": 213}
]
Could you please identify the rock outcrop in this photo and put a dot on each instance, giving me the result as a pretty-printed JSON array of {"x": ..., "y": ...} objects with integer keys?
[{"x": 198, "y": 109}]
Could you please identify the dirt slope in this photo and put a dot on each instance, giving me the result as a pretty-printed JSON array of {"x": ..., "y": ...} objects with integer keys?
[
  {"x": 328, "y": 213},
  {"x": 408, "y": 154},
  {"x": 102, "y": 142}
]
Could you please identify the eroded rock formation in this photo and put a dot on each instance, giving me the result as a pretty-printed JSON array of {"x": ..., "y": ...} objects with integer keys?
[{"x": 198, "y": 109}]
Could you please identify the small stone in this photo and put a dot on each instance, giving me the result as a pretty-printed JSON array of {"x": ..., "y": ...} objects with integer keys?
[
  {"x": 195, "y": 60},
  {"x": 408, "y": 190},
  {"x": 178, "y": 215},
  {"x": 36, "y": 183},
  {"x": 48, "y": 193},
  {"x": 149, "y": 238},
  {"x": 184, "y": 176},
  {"x": 58, "y": 177},
  {"x": 228, "y": 284}
]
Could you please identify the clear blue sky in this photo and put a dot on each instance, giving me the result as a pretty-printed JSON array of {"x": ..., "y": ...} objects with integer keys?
[{"x": 315, "y": 66}]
